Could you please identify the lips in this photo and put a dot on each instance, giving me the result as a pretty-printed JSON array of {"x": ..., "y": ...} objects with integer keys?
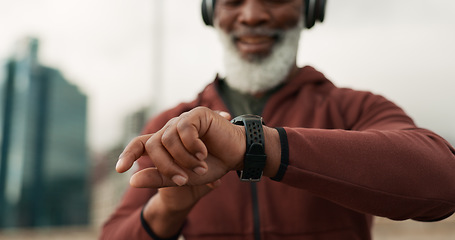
[
  {"x": 255, "y": 44},
  {"x": 255, "y": 39}
]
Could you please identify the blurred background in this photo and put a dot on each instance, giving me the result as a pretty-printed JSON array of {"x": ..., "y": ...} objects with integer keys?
[{"x": 78, "y": 79}]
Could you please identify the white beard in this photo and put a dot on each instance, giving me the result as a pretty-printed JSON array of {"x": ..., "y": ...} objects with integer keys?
[{"x": 260, "y": 74}]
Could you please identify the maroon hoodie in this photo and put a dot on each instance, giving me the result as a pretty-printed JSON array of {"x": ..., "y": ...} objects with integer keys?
[{"x": 346, "y": 155}]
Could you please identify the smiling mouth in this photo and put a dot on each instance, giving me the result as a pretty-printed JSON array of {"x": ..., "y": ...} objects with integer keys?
[
  {"x": 256, "y": 39},
  {"x": 256, "y": 44}
]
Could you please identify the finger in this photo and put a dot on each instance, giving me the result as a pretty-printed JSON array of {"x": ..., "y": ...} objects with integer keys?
[
  {"x": 163, "y": 161},
  {"x": 133, "y": 151},
  {"x": 150, "y": 178},
  {"x": 188, "y": 129},
  {"x": 173, "y": 144}
]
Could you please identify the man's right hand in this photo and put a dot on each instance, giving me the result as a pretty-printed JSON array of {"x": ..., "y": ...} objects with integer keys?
[
  {"x": 166, "y": 211},
  {"x": 196, "y": 148}
]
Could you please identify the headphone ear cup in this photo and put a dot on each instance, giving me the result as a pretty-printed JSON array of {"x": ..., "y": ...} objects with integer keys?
[
  {"x": 309, "y": 13},
  {"x": 207, "y": 11},
  {"x": 320, "y": 10},
  {"x": 314, "y": 11}
]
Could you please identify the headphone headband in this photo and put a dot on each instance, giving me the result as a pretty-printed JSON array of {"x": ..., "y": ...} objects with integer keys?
[{"x": 314, "y": 11}]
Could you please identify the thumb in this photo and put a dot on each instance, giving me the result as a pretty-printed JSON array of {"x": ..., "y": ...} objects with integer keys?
[{"x": 150, "y": 178}]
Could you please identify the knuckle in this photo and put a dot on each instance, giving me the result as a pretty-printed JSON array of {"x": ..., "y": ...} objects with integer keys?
[
  {"x": 184, "y": 114},
  {"x": 171, "y": 121},
  {"x": 167, "y": 140},
  {"x": 182, "y": 126},
  {"x": 201, "y": 109},
  {"x": 135, "y": 142},
  {"x": 148, "y": 143}
]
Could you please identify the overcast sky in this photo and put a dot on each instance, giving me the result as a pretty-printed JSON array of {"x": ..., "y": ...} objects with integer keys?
[{"x": 127, "y": 54}]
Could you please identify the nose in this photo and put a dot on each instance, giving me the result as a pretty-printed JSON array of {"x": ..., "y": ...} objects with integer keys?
[{"x": 254, "y": 13}]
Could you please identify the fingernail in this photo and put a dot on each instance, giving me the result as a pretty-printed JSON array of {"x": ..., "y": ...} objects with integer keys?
[
  {"x": 200, "y": 170},
  {"x": 179, "y": 180},
  {"x": 200, "y": 156},
  {"x": 224, "y": 114},
  {"x": 119, "y": 163}
]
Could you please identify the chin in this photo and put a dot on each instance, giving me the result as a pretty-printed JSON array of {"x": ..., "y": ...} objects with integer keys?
[
  {"x": 254, "y": 57},
  {"x": 258, "y": 72}
]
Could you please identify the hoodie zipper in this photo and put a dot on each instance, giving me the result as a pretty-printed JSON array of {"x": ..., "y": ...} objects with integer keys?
[
  {"x": 255, "y": 208},
  {"x": 254, "y": 194}
]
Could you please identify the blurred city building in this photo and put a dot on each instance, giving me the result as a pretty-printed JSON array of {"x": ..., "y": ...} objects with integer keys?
[{"x": 44, "y": 166}]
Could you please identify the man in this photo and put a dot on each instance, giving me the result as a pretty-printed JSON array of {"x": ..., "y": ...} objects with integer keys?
[{"x": 330, "y": 158}]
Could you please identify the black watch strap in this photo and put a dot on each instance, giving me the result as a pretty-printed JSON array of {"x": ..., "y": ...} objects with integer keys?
[{"x": 254, "y": 161}]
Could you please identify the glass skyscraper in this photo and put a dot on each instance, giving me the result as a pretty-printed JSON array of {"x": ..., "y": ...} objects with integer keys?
[{"x": 44, "y": 167}]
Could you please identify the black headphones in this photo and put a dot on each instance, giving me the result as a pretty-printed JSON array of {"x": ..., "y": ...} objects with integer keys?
[{"x": 314, "y": 11}]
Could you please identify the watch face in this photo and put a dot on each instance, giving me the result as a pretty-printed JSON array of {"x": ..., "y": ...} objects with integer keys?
[{"x": 239, "y": 120}]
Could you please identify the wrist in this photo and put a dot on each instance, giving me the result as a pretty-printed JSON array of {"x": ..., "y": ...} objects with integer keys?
[
  {"x": 165, "y": 221},
  {"x": 241, "y": 149},
  {"x": 272, "y": 150},
  {"x": 162, "y": 205},
  {"x": 152, "y": 234}
]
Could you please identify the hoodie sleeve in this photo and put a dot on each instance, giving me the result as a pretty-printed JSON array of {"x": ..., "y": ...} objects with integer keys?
[
  {"x": 382, "y": 165},
  {"x": 125, "y": 222}
]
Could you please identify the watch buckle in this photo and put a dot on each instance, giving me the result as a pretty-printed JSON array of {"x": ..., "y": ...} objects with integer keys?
[{"x": 243, "y": 179}]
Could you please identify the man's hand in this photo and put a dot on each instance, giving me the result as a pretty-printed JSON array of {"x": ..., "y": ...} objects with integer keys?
[{"x": 196, "y": 148}]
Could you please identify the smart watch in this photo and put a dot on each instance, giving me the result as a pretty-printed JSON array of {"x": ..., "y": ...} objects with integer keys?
[{"x": 254, "y": 160}]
